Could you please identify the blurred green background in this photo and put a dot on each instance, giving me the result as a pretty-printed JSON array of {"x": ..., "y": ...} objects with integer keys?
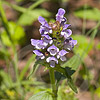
[{"x": 18, "y": 24}]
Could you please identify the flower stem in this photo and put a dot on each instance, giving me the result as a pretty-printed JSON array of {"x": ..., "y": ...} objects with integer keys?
[{"x": 54, "y": 87}]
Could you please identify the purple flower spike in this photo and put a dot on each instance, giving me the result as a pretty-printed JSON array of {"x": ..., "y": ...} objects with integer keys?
[
  {"x": 62, "y": 54},
  {"x": 69, "y": 43},
  {"x": 55, "y": 39},
  {"x": 41, "y": 44},
  {"x": 39, "y": 54},
  {"x": 47, "y": 39},
  {"x": 53, "y": 50},
  {"x": 52, "y": 61},
  {"x": 34, "y": 42}
]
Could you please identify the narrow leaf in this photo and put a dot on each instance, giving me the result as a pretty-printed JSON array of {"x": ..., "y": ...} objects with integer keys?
[
  {"x": 72, "y": 85},
  {"x": 26, "y": 67}
]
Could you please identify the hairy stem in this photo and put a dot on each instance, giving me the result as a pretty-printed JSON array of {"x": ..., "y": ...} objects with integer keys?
[{"x": 53, "y": 83}]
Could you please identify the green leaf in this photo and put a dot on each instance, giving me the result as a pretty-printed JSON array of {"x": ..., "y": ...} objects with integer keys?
[
  {"x": 6, "y": 79},
  {"x": 34, "y": 67},
  {"x": 70, "y": 66},
  {"x": 91, "y": 14},
  {"x": 30, "y": 16},
  {"x": 82, "y": 44},
  {"x": 98, "y": 92},
  {"x": 98, "y": 46},
  {"x": 69, "y": 79},
  {"x": 4, "y": 52},
  {"x": 41, "y": 96},
  {"x": 38, "y": 2},
  {"x": 16, "y": 32},
  {"x": 72, "y": 85},
  {"x": 73, "y": 63},
  {"x": 59, "y": 76}
]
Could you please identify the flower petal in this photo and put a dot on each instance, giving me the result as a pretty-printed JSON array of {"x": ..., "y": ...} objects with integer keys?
[
  {"x": 63, "y": 58},
  {"x": 66, "y": 33},
  {"x": 69, "y": 43},
  {"x": 41, "y": 44},
  {"x": 52, "y": 59},
  {"x": 45, "y": 29},
  {"x": 46, "y": 36},
  {"x": 37, "y": 52},
  {"x": 74, "y": 42},
  {"x": 66, "y": 26},
  {"x": 53, "y": 47},
  {"x": 52, "y": 64},
  {"x": 62, "y": 52},
  {"x": 53, "y": 50},
  {"x": 63, "y": 21},
  {"x": 41, "y": 20},
  {"x": 34, "y": 42},
  {"x": 61, "y": 12}
]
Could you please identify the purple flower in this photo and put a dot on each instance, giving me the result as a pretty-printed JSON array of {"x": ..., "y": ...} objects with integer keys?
[
  {"x": 44, "y": 28},
  {"x": 47, "y": 38},
  {"x": 63, "y": 21},
  {"x": 52, "y": 61},
  {"x": 34, "y": 42},
  {"x": 43, "y": 22},
  {"x": 53, "y": 50},
  {"x": 66, "y": 33},
  {"x": 69, "y": 43},
  {"x": 39, "y": 54},
  {"x": 62, "y": 54},
  {"x": 65, "y": 26},
  {"x": 60, "y": 15},
  {"x": 41, "y": 44}
]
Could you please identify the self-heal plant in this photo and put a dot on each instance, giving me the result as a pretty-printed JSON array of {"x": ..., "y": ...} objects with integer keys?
[{"x": 53, "y": 47}]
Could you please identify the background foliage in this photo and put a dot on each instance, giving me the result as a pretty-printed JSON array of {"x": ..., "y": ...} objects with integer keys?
[{"x": 18, "y": 24}]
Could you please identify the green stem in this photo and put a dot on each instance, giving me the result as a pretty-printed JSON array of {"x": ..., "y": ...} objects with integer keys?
[{"x": 53, "y": 83}]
